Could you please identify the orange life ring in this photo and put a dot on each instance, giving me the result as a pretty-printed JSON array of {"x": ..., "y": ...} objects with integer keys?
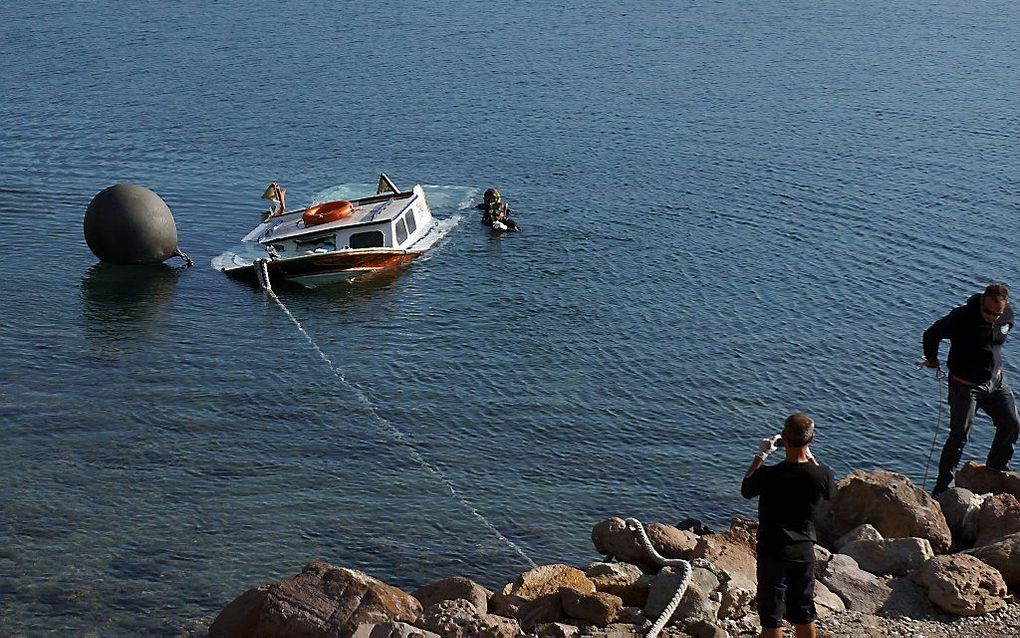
[{"x": 327, "y": 212}]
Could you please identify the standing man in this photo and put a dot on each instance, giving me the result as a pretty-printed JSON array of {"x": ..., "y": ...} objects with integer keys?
[
  {"x": 976, "y": 332},
  {"x": 789, "y": 494}
]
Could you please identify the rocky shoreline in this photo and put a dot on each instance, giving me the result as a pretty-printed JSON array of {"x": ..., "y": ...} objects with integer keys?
[{"x": 891, "y": 561}]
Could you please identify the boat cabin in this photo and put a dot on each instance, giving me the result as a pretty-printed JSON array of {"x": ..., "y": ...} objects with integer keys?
[{"x": 388, "y": 221}]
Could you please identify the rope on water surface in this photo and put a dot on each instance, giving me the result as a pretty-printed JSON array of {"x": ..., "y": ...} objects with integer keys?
[
  {"x": 685, "y": 576},
  {"x": 262, "y": 273}
]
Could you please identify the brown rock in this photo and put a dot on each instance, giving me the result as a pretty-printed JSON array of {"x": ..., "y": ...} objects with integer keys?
[
  {"x": 734, "y": 553},
  {"x": 982, "y": 480},
  {"x": 620, "y": 579},
  {"x": 459, "y": 619},
  {"x": 859, "y": 590},
  {"x": 596, "y": 608},
  {"x": 998, "y": 517},
  {"x": 1003, "y": 555},
  {"x": 391, "y": 630},
  {"x": 826, "y": 602},
  {"x": 955, "y": 503},
  {"x": 557, "y": 630},
  {"x": 612, "y": 538},
  {"x": 320, "y": 601},
  {"x": 534, "y": 598},
  {"x": 695, "y": 603},
  {"x": 895, "y": 556},
  {"x": 889, "y": 502},
  {"x": 962, "y": 585},
  {"x": 452, "y": 589}
]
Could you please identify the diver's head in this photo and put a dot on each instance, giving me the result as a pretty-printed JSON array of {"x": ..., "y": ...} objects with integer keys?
[{"x": 491, "y": 196}]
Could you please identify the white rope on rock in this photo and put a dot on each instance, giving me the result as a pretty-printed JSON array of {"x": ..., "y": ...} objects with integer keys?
[{"x": 685, "y": 578}]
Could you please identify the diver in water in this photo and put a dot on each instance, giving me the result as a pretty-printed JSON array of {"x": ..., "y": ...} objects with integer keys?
[{"x": 495, "y": 212}]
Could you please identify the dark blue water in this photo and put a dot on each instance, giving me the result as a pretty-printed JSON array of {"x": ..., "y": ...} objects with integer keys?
[{"x": 732, "y": 211}]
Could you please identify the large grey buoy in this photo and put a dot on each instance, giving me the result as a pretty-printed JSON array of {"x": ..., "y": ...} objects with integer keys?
[{"x": 129, "y": 224}]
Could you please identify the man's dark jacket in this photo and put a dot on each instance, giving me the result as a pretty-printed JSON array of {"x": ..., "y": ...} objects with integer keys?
[{"x": 975, "y": 345}]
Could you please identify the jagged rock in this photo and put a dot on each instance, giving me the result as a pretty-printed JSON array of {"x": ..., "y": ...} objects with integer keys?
[
  {"x": 612, "y": 538},
  {"x": 694, "y": 525},
  {"x": 695, "y": 602},
  {"x": 1003, "y": 555},
  {"x": 998, "y": 517},
  {"x": 460, "y": 619},
  {"x": 982, "y": 480},
  {"x": 888, "y": 501},
  {"x": 962, "y": 585},
  {"x": 320, "y": 601},
  {"x": 534, "y": 598},
  {"x": 705, "y": 629},
  {"x": 826, "y": 602},
  {"x": 735, "y": 602},
  {"x": 955, "y": 503},
  {"x": 620, "y": 579},
  {"x": 733, "y": 552},
  {"x": 597, "y": 608},
  {"x": 859, "y": 590},
  {"x": 908, "y": 599},
  {"x": 557, "y": 630},
  {"x": 631, "y": 616},
  {"x": 616, "y": 630},
  {"x": 889, "y": 556},
  {"x": 452, "y": 589},
  {"x": 860, "y": 533},
  {"x": 391, "y": 630}
]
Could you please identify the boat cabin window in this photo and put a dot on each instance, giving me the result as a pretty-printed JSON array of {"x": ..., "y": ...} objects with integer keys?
[
  {"x": 411, "y": 226},
  {"x": 401, "y": 232},
  {"x": 370, "y": 239}
]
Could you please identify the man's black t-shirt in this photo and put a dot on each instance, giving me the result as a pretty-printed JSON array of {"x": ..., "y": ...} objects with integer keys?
[{"x": 788, "y": 495}]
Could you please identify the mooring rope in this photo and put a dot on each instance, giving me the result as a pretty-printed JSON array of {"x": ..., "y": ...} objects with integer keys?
[
  {"x": 685, "y": 576},
  {"x": 939, "y": 376},
  {"x": 402, "y": 440}
]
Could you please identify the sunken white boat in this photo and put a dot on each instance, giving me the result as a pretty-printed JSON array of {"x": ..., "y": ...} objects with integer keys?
[{"x": 337, "y": 241}]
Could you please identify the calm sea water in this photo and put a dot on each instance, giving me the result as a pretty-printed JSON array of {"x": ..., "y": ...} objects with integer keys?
[{"x": 732, "y": 211}]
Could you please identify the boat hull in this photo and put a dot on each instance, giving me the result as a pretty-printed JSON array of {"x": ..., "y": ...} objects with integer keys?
[{"x": 326, "y": 268}]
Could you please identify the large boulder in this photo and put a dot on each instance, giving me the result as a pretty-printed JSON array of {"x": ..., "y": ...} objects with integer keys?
[
  {"x": 534, "y": 598},
  {"x": 596, "y": 608},
  {"x": 859, "y": 590},
  {"x": 621, "y": 579},
  {"x": 998, "y": 517},
  {"x": 958, "y": 507},
  {"x": 391, "y": 630},
  {"x": 452, "y": 589},
  {"x": 860, "y": 533},
  {"x": 322, "y": 600},
  {"x": 696, "y": 602},
  {"x": 981, "y": 479},
  {"x": 889, "y": 502},
  {"x": 611, "y": 537},
  {"x": 733, "y": 552},
  {"x": 826, "y": 602},
  {"x": 962, "y": 585},
  {"x": 889, "y": 556},
  {"x": 1003, "y": 555},
  {"x": 460, "y": 619}
]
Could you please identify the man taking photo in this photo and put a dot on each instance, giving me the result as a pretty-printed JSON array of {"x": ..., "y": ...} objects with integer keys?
[{"x": 789, "y": 493}]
